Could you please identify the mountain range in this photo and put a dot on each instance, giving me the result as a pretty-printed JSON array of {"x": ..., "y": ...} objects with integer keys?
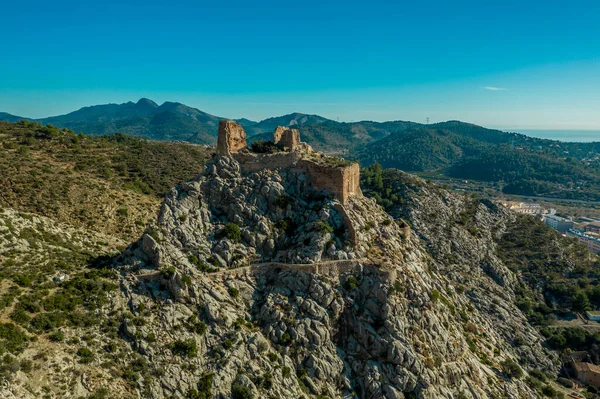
[{"x": 516, "y": 163}]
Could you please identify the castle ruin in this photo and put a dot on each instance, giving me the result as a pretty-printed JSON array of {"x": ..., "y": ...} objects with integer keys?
[
  {"x": 338, "y": 177},
  {"x": 333, "y": 175}
]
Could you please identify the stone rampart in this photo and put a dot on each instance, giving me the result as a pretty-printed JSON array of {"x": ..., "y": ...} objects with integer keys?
[
  {"x": 327, "y": 268},
  {"x": 341, "y": 181}
]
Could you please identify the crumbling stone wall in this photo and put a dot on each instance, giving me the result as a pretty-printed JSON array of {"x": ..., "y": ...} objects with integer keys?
[
  {"x": 332, "y": 269},
  {"x": 342, "y": 182},
  {"x": 286, "y": 138},
  {"x": 231, "y": 139}
]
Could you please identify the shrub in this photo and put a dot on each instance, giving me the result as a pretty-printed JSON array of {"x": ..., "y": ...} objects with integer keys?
[
  {"x": 435, "y": 295},
  {"x": 204, "y": 388},
  {"x": 350, "y": 283},
  {"x": 186, "y": 280},
  {"x": 202, "y": 266},
  {"x": 20, "y": 316},
  {"x": 56, "y": 336},
  {"x": 324, "y": 227},
  {"x": 511, "y": 368},
  {"x": 187, "y": 348},
  {"x": 283, "y": 201},
  {"x": 12, "y": 338},
  {"x": 264, "y": 147},
  {"x": 85, "y": 355},
  {"x": 286, "y": 339},
  {"x": 231, "y": 231},
  {"x": 227, "y": 344},
  {"x": 241, "y": 392},
  {"x": 234, "y": 292},
  {"x": 549, "y": 391},
  {"x": 168, "y": 272},
  {"x": 47, "y": 321},
  {"x": 538, "y": 374},
  {"x": 286, "y": 372},
  {"x": 565, "y": 382}
]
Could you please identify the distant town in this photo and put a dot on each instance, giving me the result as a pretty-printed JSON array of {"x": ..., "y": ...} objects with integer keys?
[{"x": 585, "y": 229}]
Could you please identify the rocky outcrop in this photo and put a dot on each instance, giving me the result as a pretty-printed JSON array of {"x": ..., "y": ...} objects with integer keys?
[{"x": 391, "y": 323}]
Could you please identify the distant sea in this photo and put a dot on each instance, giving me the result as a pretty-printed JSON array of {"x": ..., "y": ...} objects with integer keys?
[{"x": 577, "y": 136}]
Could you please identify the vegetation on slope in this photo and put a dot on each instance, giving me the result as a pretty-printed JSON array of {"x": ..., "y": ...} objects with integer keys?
[
  {"x": 519, "y": 164},
  {"x": 558, "y": 276},
  {"x": 112, "y": 183}
]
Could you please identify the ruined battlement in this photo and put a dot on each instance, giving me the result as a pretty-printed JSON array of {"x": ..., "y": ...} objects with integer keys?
[
  {"x": 326, "y": 173},
  {"x": 341, "y": 181},
  {"x": 286, "y": 138}
]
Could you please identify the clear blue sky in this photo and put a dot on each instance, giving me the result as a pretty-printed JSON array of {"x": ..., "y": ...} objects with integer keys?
[{"x": 526, "y": 64}]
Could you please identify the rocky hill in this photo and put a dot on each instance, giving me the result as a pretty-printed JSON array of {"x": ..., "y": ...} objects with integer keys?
[{"x": 277, "y": 281}]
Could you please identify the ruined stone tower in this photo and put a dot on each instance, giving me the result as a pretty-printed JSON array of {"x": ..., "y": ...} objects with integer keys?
[
  {"x": 286, "y": 138},
  {"x": 231, "y": 139}
]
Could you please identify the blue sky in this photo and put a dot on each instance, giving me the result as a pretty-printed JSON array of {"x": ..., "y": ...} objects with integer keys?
[{"x": 511, "y": 64}]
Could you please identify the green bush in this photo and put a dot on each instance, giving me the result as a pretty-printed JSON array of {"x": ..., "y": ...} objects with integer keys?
[
  {"x": 241, "y": 392},
  {"x": 350, "y": 283},
  {"x": 283, "y": 201},
  {"x": 12, "y": 338},
  {"x": 187, "y": 348},
  {"x": 234, "y": 292},
  {"x": 549, "y": 391},
  {"x": 20, "y": 316},
  {"x": 186, "y": 280},
  {"x": 204, "y": 390},
  {"x": 264, "y": 147},
  {"x": 286, "y": 339},
  {"x": 85, "y": 355},
  {"x": 324, "y": 227},
  {"x": 565, "y": 382},
  {"x": 538, "y": 374},
  {"x": 231, "y": 231},
  {"x": 168, "y": 272},
  {"x": 511, "y": 369},
  {"x": 56, "y": 336}
]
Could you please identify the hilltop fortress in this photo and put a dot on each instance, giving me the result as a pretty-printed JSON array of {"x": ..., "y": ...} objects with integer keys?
[{"x": 337, "y": 176}]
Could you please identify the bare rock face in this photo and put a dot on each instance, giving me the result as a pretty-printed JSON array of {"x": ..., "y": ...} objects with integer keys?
[{"x": 232, "y": 137}]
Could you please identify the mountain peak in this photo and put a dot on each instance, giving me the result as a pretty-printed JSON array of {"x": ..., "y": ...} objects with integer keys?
[{"x": 146, "y": 101}]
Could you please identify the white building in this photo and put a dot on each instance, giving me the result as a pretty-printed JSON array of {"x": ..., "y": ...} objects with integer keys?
[
  {"x": 591, "y": 241},
  {"x": 557, "y": 223}
]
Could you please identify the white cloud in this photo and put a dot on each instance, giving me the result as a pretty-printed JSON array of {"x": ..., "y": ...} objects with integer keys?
[{"x": 494, "y": 88}]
